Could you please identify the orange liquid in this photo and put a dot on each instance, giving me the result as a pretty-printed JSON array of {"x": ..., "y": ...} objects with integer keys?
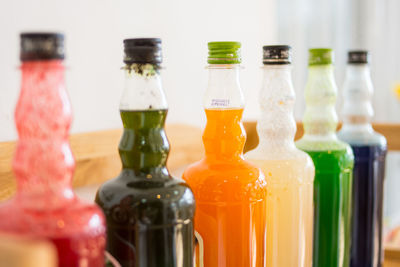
[{"x": 230, "y": 197}]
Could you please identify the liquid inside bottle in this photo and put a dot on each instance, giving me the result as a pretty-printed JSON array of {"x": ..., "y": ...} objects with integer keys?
[
  {"x": 149, "y": 213},
  {"x": 289, "y": 172},
  {"x": 369, "y": 150},
  {"x": 333, "y": 161},
  {"x": 44, "y": 206},
  {"x": 230, "y": 192}
]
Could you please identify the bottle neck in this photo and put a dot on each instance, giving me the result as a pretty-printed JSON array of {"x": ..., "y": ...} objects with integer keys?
[
  {"x": 43, "y": 162},
  {"x": 224, "y": 135},
  {"x": 223, "y": 89},
  {"x": 320, "y": 118},
  {"x": 144, "y": 146},
  {"x": 276, "y": 127},
  {"x": 143, "y": 88},
  {"x": 357, "y": 97}
]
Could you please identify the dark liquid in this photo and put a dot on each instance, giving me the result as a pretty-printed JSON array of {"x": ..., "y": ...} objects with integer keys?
[
  {"x": 332, "y": 203},
  {"x": 149, "y": 214},
  {"x": 369, "y": 167}
]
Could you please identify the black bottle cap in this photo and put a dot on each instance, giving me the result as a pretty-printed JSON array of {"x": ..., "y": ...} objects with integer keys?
[
  {"x": 358, "y": 57},
  {"x": 41, "y": 46},
  {"x": 276, "y": 54},
  {"x": 142, "y": 50}
]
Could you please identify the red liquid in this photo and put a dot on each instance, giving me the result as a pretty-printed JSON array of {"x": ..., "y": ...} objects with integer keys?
[{"x": 80, "y": 251}]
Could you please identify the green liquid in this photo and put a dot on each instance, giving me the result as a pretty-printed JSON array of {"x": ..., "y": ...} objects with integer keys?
[
  {"x": 149, "y": 214},
  {"x": 332, "y": 204},
  {"x": 144, "y": 145}
]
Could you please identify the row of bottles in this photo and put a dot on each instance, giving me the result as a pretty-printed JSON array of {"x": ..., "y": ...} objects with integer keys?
[{"x": 281, "y": 204}]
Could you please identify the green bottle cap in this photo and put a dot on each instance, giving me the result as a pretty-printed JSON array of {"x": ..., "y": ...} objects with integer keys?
[
  {"x": 224, "y": 53},
  {"x": 320, "y": 56}
]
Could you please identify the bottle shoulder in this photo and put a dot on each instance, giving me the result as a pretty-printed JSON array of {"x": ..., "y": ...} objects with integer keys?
[
  {"x": 155, "y": 202},
  {"x": 294, "y": 168},
  {"x": 331, "y": 143},
  {"x": 226, "y": 181},
  {"x": 283, "y": 153},
  {"x": 77, "y": 218},
  {"x": 362, "y": 138},
  {"x": 332, "y": 160},
  {"x": 242, "y": 171},
  {"x": 142, "y": 187},
  {"x": 136, "y": 190}
]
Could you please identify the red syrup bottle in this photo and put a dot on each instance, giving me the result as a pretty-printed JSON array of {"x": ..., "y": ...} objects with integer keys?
[{"x": 44, "y": 206}]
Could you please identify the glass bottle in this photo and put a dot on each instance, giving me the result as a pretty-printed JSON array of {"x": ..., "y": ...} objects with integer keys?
[
  {"x": 149, "y": 213},
  {"x": 333, "y": 160},
  {"x": 230, "y": 192},
  {"x": 289, "y": 171},
  {"x": 44, "y": 205},
  {"x": 369, "y": 150}
]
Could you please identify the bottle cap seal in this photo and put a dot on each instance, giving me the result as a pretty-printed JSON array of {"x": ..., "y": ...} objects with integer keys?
[
  {"x": 276, "y": 54},
  {"x": 320, "y": 56},
  {"x": 41, "y": 46},
  {"x": 358, "y": 57},
  {"x": 224, "y": 53},
  {"x": 142, "y": 50}
]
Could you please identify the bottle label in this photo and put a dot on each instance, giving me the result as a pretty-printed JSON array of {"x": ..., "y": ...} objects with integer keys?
[
  {"x": 220, "y": 102},
  {"x": 199, "y": 252}
]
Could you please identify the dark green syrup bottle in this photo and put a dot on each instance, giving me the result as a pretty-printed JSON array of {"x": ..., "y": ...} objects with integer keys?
[{"x": 149, "y": 214}]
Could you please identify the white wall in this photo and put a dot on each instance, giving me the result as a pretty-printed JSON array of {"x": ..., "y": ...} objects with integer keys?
[
  {"x": 342, "y": 25},
  {"x": 94, "y": 32}
]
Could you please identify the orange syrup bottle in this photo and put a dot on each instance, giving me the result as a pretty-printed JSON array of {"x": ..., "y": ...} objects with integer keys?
[{"x": 230, "y": 193}]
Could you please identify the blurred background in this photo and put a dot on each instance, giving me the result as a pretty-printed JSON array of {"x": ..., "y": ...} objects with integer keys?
[{"x": 95, "y": 29}]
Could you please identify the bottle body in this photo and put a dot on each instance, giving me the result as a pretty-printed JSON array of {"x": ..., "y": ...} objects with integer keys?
[
  {"x": 77, "y": 233},
  {"x": 369, "y": 150},
  {"x": 230, "y": 197},
  {"x": 45, "y": 206},
  {"x": 149, "y": 214},
  {"x": 368, "y": 184},
  {"x": 289, "y": 210},
  {"x": 332, "y": 206},
  {"x": 333, "y": 161},
  {"x": 289, "y": 172}
]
